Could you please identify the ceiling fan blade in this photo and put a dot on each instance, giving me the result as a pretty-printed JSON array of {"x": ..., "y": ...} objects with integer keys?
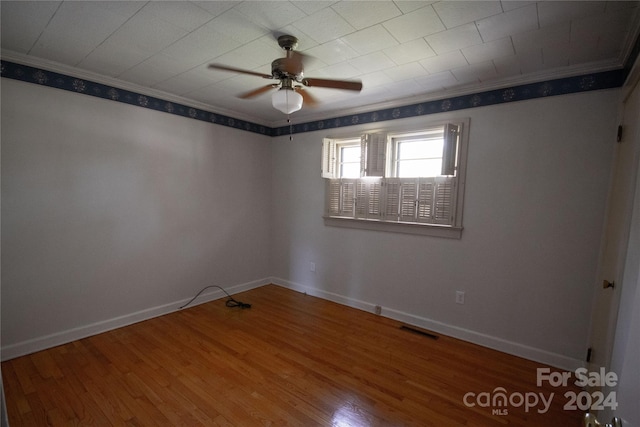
[
  {"x": 308, "y": 100},
  {"x": 239, "y": 70},
  {"x": 257, "y": 92},
  {"x": 335, "y": 84}
]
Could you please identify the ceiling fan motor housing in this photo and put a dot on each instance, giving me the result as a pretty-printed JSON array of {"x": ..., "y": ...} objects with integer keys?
[{"x": 282, "y": 68}]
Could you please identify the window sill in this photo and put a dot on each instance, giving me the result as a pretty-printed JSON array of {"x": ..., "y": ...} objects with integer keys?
[{"x": 445, "y": 231}]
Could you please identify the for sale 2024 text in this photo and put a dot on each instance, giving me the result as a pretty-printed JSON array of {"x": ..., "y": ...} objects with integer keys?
[{"x": 583, "y": 400}]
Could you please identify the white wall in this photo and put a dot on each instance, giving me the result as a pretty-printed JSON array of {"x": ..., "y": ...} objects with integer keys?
[
  {"x": 536, "y": 190},
  {"x": 111, "y": 210}
]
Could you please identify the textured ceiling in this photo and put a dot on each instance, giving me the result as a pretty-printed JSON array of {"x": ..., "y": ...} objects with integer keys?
[{"x": 402, "y": 51}]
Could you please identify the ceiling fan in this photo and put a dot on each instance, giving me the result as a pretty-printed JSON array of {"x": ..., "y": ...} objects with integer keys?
[{"x": 289, "y": 71}]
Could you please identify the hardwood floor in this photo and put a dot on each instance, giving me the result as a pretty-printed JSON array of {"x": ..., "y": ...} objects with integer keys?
[{"x": 290, "y": 360}]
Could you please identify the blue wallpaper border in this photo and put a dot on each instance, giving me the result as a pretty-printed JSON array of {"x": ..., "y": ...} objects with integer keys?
[
  {"x": 30, "y": 74},
  {"x": 563, "y": 86}
]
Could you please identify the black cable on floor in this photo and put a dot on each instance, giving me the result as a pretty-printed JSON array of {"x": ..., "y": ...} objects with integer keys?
[{"x": 231, "y": 302}]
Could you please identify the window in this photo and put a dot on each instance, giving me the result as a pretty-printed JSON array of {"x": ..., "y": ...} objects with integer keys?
[
  {"x": 349, "y": 158},
  {"x": 398, "y": 181},
  {"x": 417, "y": 157}
]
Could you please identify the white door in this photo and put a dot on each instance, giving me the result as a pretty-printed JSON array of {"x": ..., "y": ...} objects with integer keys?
[
  {"x": 625, "y": 360},
  {"x": 617, "y": 340},
  {"x": 616, "y": 237}
]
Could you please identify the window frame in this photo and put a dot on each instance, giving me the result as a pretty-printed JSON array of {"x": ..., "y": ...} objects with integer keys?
[
  {"x": 361, "y": 215},
  {"x": 394, "y": 140}
]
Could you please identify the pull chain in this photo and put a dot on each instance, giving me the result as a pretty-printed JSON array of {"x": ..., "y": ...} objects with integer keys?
[{"x": 290, "y": 128}]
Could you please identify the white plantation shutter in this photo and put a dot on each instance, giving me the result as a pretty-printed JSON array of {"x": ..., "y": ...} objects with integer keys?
[
  {"x": 341, "y": 197},
  {"x": 449, "y": 149},
  {"x": 408, "y": 199},
  {"x": 333, "y": 197},
  {"x": 362, "y": 198},
  {"x": 426, "y": 191},
  {"x": 444, "y": 200},
  {"x": 391, "y": 200},
  {"x": 368, "y": 199},
  {"x": 429, "y": 200},
  {"x": 347, "y": 197},
  {"x": 373, "y": 150},
  {"x": 375, "y": 196},
  {"x": 363, "y": 155},
  {"x": 329, "y": 158}
]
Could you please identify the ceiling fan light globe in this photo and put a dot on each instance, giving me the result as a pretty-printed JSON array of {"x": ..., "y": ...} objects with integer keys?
[{"x": 286, "y": 100}]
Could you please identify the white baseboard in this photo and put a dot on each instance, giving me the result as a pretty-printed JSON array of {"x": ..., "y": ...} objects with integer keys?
[
  {"x": 509, "y": 347},
  {"x": 41, "y": 343}
]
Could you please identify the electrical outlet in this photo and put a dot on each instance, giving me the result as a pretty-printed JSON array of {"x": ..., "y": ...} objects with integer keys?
[
  {"x": 378, "y": 310},
  {"x": 459, "y": 297},
  {"x": 312, "y": 267}
]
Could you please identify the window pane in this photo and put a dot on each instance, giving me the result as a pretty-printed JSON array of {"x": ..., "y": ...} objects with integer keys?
[
  {"x": 420, "y": 149},
  {"x": 350, "y": 161},
  {"x": 350, "y": 170},
  {"x": 418, "y": 168},
  {"x": 350, "y": 154}
]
